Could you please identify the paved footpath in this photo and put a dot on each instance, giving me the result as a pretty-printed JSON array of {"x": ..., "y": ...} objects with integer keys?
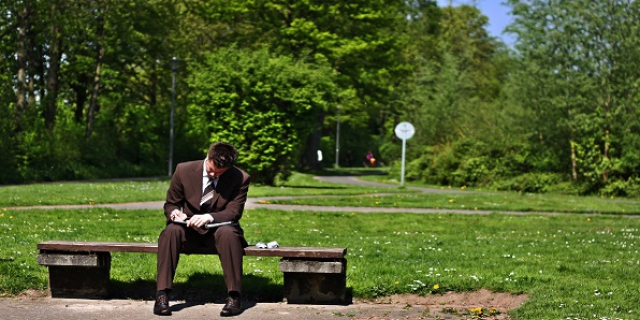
[
  {"x": 254, "y": 203},
  {"x": 80, "y": 309}
]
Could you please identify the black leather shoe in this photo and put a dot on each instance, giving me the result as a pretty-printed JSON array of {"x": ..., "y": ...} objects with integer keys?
[
  {"x": 233, "y": 307},
  {"x": 161, "y": 307}
]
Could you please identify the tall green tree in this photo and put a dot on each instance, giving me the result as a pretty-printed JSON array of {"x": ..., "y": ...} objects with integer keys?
[
  {"x": 265, "y": 104},
  {"x": 586, "y": 53},
  {"x": 451, "y": 96},
  {"x": 358, "y": 39},
  {"x": 84, "y": 72}
]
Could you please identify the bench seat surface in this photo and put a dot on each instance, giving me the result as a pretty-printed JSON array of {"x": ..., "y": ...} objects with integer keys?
[{"x": 285, "y": 252}]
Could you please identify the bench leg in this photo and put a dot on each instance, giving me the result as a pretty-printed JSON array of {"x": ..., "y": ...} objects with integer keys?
[
  {"x": 315, "y": 282},
  {"x": 81, "y": 281},
  {"x": 315, "y": 288}
]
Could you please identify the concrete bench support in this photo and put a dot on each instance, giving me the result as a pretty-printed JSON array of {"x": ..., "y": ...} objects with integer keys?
[
  {"x": 315, "y": 281},
  {"x": 78, "y": 275}
]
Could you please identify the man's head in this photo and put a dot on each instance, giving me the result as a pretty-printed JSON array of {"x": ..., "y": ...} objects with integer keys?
[{"x": 220, "y": 158}]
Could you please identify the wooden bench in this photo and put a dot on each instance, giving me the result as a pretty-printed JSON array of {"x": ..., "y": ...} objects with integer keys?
[{"x": 312, "y": 275}]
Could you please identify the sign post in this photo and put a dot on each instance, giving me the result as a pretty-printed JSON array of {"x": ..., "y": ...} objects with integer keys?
[{"x": 404, "y": 131}]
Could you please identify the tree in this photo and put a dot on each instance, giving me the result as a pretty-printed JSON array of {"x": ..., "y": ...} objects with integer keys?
[
  {"x": 265, "y": 104},
  {"x": 77, "y": 74},
  {"x": 358, "y": 39},
  {"x": 587, "y": 52},
  {"x": 451, "y": 96}
]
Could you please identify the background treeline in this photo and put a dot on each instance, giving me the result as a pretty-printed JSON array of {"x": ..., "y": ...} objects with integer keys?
[{"x": 85, "y": 89}]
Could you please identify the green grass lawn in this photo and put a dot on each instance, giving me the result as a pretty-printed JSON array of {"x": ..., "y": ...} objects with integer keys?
[
  {"x": 155, "y": 190},
  {"x": 572, "y": 266},
  {"x": 492, "y": 201}
]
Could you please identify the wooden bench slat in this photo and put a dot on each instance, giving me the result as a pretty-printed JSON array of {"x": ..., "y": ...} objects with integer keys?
[
  {"x": 285, "y": 252},
  {"x": 298, "y": 252},
  {"x": 98, "y": 246}
]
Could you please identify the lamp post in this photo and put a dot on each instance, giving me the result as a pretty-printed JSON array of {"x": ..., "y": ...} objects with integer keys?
[
  {"x": 174, "y": 69},
  {"x": 338, "y": 137}
]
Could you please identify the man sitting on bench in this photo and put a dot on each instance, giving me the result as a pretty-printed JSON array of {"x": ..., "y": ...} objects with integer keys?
[{"x": 202, "y": 192}]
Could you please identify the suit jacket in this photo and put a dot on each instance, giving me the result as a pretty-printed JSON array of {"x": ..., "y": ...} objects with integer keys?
[{"x": 185, "y": 191}]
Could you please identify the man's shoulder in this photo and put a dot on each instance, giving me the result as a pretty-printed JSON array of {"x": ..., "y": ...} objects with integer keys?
[
  {"x": 239, "y": 171},
  {"x": 190, "y": 165},
  {"x": 237, "y": 174}
]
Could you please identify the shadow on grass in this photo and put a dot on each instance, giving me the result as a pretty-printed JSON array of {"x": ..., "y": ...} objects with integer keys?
[{"x": 200, "y": 288}]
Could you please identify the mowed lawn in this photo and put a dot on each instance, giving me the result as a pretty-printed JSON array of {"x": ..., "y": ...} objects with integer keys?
[{"x": 572, "y": 266}]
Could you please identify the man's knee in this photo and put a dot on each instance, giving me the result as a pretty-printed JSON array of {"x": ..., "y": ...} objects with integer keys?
[
  {"x": 227, "y": 233},
  {"x": 172, "y": 230}
]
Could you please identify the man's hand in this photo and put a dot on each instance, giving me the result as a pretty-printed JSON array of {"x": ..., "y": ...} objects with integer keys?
[
  {"x": 177, "y": 215},
  {"x": 199, "y": 220}
]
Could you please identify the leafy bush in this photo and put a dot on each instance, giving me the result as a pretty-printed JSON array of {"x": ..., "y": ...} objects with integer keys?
[
  {"x": 529, "y": 182},
  {"x": 628, "y": 188},
  {"x": 459, "y": 163},
  {"x": 265, "y": 105}
]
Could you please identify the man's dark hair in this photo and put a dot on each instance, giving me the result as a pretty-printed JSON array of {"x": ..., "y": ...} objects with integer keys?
[{"x": 223, "y": 154}]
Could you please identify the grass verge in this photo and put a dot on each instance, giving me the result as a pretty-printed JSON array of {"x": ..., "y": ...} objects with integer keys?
[
  {"x": 571, "y": 266},
  {"x": 101, "y": 192},
  {"x": 492, "y": 201}
]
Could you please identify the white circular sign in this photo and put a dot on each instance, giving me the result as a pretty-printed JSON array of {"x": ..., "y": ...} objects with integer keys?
[{"x": 404, "y": 130}]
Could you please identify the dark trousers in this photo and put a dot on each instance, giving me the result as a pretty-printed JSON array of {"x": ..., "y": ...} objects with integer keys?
[{"x": 228, "y": 242}]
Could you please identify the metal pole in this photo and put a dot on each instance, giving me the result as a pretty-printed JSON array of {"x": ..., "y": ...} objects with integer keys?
[
  {"x": 174, "y": 68},
  {"x": 404, "y": 145},
  {"x": 338, "y": 138}
]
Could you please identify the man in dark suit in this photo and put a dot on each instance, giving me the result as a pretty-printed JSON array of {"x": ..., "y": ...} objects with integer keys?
[{"x": 201, "y": 192}]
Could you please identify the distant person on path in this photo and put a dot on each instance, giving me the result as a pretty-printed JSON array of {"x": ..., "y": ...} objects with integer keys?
[
  {"x": 201, "y": 192},
  {"x": 369, "y": 160}
]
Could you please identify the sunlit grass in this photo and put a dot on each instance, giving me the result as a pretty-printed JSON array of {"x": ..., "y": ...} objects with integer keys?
[
  {"x": 571, "y": 266},
  {"x": 473, "y": 201},
  {"x": 155, "y": 190}
]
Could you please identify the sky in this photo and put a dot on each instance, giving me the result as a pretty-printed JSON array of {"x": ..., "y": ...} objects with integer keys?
[{"x": 498, "y": 15}]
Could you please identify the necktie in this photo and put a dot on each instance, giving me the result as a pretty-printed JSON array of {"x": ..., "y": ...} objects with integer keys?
[
  {"x": 207, "y": 195},
  {"x": 205, "y": 202}
]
